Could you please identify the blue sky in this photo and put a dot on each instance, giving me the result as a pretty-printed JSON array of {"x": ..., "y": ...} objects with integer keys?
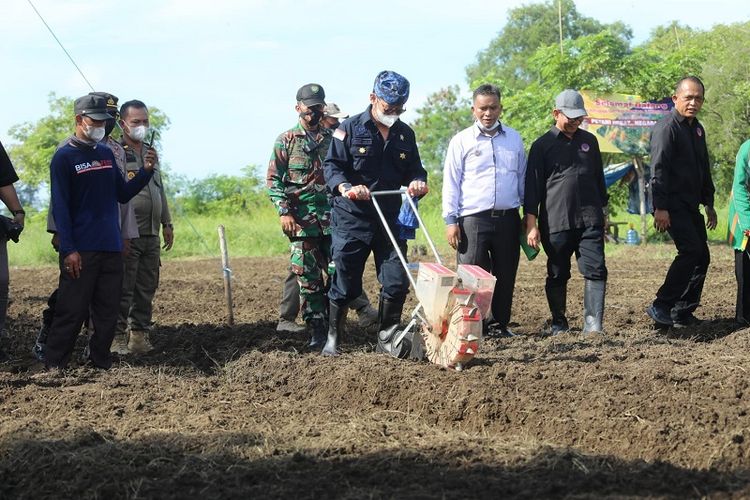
[{"x": 226, "y": 71}]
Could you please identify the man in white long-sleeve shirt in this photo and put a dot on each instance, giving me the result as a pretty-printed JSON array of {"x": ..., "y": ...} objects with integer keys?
[{"x": 483, "y": 185}]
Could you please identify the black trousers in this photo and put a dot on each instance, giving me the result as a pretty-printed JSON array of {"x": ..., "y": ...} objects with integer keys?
[
  {"x": 98, "y": 288},
  {"x": 49, "y": 313},
  {"x": 588, "y": 246},
  {"x": 491, "y": 242},
  {"x": 350, "y": 256},
  {"x": 683, "y": 286},
  {"x": 742, "y": 273}
]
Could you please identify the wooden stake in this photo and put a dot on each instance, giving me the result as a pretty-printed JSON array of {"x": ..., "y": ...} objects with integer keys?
[{"x": 227, "y": 275}]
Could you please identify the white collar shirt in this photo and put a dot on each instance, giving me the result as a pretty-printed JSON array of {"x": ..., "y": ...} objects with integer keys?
[{"x": 483, "y": 173}]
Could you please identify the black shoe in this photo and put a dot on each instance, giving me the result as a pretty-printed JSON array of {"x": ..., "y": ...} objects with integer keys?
[
  {"x": 499, "y": 332},
  {"x": 661, "y": 317},
  {"x": 686, "y": 321},
  {"x": 558, "y": 328}
]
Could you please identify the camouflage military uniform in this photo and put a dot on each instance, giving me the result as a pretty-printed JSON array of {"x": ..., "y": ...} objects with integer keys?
[{"x": 296, "y": 187}]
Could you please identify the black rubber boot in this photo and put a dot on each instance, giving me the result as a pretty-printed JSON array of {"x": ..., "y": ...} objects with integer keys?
[
  {"x": 593, "y": 305},
  {"x": 391, "y": 340},
  {"x": 336, "y": 317},
  {"x": 389, "y": 313},
  {"x": 557, "y": 298},
  {"x": 317, "y": 328}
]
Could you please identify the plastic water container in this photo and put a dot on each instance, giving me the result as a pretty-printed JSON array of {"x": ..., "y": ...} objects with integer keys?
[{"x": 632, "y": 238}]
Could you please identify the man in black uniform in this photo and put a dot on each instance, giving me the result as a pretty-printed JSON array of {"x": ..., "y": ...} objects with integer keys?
[
  {"x": 681, "y": 182},
  {"x": 565, "y": 190},
  {"x": 371, "y": 151}
]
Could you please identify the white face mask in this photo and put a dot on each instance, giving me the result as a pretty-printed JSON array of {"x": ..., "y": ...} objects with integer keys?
[
  {"x": 387, "y": 120},
  {"x": 96, "y": 134},
  {"x": 487, "y": 130},
  {"x": 138, "y": 133}
]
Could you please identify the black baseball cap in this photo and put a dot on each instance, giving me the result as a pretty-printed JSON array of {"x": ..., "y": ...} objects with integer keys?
[
  {"x": 311, "y": 94},
  {"x": 111, "y": 101},
  {"x": 93, "y": 106}
]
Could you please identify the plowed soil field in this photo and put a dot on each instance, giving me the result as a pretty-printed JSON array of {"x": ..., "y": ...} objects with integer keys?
[{"x": 243, "y": 412}]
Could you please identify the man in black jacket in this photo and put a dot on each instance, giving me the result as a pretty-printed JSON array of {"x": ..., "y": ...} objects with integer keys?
[
  {"x": 372, "y": 151},
  {"x": 682, "y": 182},
  {"x": 565, "y": 190}
]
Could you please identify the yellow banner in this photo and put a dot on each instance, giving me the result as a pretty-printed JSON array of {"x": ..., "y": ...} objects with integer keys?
[{"x": 621, "y": 122}]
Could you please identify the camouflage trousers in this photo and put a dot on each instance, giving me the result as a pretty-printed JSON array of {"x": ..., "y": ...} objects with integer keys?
[{"x": 309, "y": 261}]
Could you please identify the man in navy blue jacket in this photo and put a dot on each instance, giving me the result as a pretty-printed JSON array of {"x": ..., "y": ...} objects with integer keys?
[
  {"x": 86, "y": 188},
  {"x": 372, "y": 151}
]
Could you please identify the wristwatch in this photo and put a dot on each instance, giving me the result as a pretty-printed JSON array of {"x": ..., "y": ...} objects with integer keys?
[
  {"x": 168, "y": 226},
  {"x": 283, "y": 211}
]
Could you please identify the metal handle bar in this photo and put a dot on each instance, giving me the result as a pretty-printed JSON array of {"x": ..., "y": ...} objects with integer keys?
[{"x": 404, "y": 263}]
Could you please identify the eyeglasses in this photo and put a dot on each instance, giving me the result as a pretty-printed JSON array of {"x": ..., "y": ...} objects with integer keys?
[
  {"x": 392, "y": 111},
  {"x": 573, "y": 120}
]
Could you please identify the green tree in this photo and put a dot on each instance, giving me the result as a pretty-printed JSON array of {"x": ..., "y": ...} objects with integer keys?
[
  {"x": 218, "y": 193},
  {"x": 726, "y": 112},
  {"x": 512, "y": 63},
  {"x": 38, "y": 141},
  {"x": 670, "y": 37},
  {"x": 445, "y": 111},
  {"x": 528, "y": 28},
  {"x": 721, "y": 58},
  {"x": 525, "y": 61}
]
